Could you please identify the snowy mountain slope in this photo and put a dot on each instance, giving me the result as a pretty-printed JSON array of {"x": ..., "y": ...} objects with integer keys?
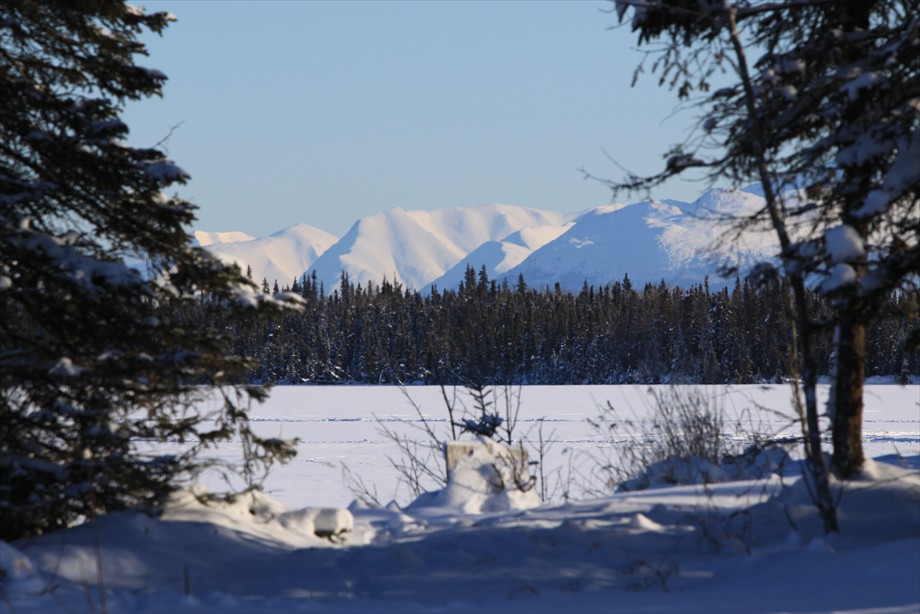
[
  {"x": 282, "y": 256},
  {"x": 417, "y": 247},
  {"x": 500, "y": 256},
  {"x": 705, "y": 232},
  {"x": 649, "y": 241},
  {"x": 607, "y": 243},
  {"x": 679, "y": 242},
  {"x": 204, "y": 239}
]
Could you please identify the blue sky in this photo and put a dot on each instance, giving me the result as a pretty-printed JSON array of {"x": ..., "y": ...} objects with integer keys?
[{"x": 324, "y": 112}]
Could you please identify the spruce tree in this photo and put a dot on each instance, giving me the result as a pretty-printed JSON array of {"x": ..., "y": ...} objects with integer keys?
[{"x": 94, "y": 355}]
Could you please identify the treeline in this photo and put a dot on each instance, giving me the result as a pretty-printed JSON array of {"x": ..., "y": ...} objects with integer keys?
[{"x": 489, "y": 332}]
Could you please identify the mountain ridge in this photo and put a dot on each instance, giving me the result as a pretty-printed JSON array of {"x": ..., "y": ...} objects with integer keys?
[
  {"x": 282, "y": 256},
  {"x": 650, "y": 240}
]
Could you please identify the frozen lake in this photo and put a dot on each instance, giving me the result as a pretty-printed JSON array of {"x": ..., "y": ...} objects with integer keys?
[{"x": 341, "y": 426}]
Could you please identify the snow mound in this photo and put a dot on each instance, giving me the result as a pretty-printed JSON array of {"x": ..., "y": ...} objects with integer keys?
[
  {"x": 17, "y": 573},
  {"x": 488, "y": 478},
  {"x": 326, "y": 522},
  {"x": 257, "y": 513},
  {"x": 885, "y": 494},
  {"x": 881, "y": 504},
  {"x": 753, "y": 464},
  {"x": 641, "y": 522}
]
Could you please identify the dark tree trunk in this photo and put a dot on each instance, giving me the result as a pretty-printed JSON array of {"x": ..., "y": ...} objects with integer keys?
[{"x": 847, "y": 402}]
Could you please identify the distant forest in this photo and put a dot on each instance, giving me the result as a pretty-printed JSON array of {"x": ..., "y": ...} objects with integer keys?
[{"x": 485, "y": 332}]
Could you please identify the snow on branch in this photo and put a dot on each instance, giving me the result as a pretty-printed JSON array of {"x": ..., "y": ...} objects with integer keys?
[
  {"x": 166, "y": 172},
  {"x": 903, "y": 176},
  {"x": 844, "y": 244},
  {"x": 86, "y": 271}
]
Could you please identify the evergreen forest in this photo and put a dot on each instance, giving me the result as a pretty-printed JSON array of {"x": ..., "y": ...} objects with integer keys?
[{"x": 489, "y": 332}]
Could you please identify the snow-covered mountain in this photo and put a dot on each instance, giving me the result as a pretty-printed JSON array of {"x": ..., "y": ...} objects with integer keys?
[
  {"x": 204, "y": 239},
  {"x": 679, "y": 242},
  {"x": 605, "y": 244},
  {"x": 498, "y": 257},
  {"x": 416, "y": 248},
  {"x": 282, "y": 256}
]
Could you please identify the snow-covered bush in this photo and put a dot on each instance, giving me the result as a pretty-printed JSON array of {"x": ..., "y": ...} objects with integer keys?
[
  {"x": 488, "y": 476},
  {"x": 689, "y": 438},
  {"x": 755, "y": 463}
]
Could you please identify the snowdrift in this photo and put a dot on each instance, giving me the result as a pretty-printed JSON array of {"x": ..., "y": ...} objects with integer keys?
[{"x": 752, "y": 546}]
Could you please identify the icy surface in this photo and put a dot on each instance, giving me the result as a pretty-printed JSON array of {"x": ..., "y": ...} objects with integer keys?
[{"x": 341, "y": 425}]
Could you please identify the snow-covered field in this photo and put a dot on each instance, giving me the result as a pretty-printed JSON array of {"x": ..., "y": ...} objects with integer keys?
[
  {"x": 753, "y": 546},
  {"x": 338, "y": 425}
]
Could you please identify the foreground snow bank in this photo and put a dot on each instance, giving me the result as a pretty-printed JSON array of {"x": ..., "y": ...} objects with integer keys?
[
  {"x": 17, "y": 573},
  {"x": 753, "y": 546},
  {"x": 256, "y": 513},
  {"x": 881, "y": 504}
]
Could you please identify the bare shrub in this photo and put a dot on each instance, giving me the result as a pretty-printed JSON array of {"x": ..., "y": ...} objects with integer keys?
[
  {"x": 490, "y": 412},
  {"x": 688, "y": 437}
]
